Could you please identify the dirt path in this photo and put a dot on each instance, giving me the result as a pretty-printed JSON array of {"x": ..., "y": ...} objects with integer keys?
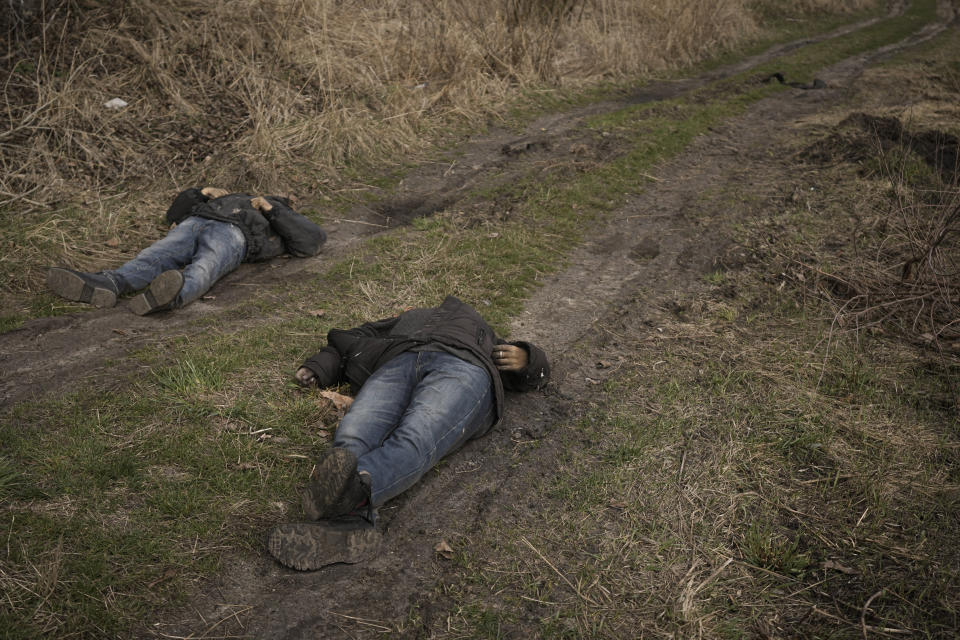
[
  {"x": 650, "y": 254},
  {"x": 635, "y": 269},
  {"x": 37, "y": 358}
]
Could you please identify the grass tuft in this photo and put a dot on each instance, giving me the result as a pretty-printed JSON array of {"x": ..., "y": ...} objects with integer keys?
[{"x": 286, "y": 97}]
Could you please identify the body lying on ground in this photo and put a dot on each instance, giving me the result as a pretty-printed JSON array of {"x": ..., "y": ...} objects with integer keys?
[
  {"x": 212, "y": 232},
  {"x": 426, "y": 382}
]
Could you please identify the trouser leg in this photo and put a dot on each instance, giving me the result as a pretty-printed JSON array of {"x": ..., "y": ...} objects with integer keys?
[
  {"x": 379, "y": 406},
  {"x": 220, "y": 248},
  {"x": 173, "y": 251},
  {"x": 451, "y": 402}
]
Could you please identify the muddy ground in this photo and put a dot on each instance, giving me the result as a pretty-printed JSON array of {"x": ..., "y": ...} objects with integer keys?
[
  {"x": 36, "y": 358},
  {"x": 633, "y": 270}
]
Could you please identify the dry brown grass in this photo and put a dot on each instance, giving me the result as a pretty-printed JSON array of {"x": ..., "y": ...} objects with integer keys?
[
  {"x": 907, "y": 277},
  {"x": 899, "y": 270},
  {"x": 895, "y": 268},
  {"x": 724, "y": 493},
  {"x": 263, "y": 87},
  {"x": 282, "y": 96},
  {"x": 812, "y": 6}
]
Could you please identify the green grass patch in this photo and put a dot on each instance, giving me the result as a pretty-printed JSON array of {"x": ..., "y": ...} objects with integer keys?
[
  {"x": 116, "y": 502},
  {"x": 726, "y": 491},
  {"x": 786, "y": 23},
  {"x": 11, "y": 322},
  {"x": 802, "y": 65}
]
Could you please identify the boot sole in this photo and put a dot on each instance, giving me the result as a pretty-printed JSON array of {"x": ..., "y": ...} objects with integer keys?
[
  {"x": 161, "y": 293},
  {"x": 69, "y": 285},
  {"x": 332, "y": 475},
  {"x": 307, "y": 546}
]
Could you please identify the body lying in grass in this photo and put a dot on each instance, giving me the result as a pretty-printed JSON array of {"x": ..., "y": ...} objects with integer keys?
[
  {"x": 212, "y": 232},
  {"x": 428, "y": 381}
]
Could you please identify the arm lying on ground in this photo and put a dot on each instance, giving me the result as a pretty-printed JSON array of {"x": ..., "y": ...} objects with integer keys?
[
  {"x": 322, "y": 369},
  {"x": 183, "y": 204},
  {"x": 325, "y": 368},
  {"x": 301, "y": 236},
  {"x": 523, "y": 366}
]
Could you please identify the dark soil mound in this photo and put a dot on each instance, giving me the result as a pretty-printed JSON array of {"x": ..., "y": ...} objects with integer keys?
[{"x": 861, "y": 137}]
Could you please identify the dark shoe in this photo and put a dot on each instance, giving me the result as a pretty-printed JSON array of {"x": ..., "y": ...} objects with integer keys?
[
  {"x": 312, "y": 545},
  {"x": 355, "y": 499},
  {"x": 335, "y": 488},
  {"x": 160, "y": 295},
  {"x": 78, "y": 286}
]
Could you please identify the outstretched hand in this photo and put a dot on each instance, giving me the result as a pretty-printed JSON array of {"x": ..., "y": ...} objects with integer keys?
[
  {"x": 509, "y": 357},
  {"x": 214, "y": 192},
  {"x": 305, "y": 377}
]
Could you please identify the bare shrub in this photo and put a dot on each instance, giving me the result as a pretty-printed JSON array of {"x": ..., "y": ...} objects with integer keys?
[
  {"x": 912, "y": 275},
  {"x": 904, "y": 277}
]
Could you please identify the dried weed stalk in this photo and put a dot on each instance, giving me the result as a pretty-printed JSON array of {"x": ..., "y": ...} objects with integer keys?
[
  {"x": 280, "y": 95},
  {"x": 260, "y": 90},
  {"x": 905, "y": 276}
]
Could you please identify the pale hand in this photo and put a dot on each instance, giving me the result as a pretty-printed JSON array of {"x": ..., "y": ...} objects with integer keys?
[
  {"x": 305, "y": 377},
  {"x": 214, "y": 192},
  {"x": 261, "y": 203},
  {"x": 510, "y": 357}
]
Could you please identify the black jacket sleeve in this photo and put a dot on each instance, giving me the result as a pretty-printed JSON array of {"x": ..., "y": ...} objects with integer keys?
[
  {"x": 330, "y": 363},
  {"x": 301, "y": 237},
  {"x": 534, "y": 376},
  {"x": 326, "y": 365},
  {"x": 184, "y": 203}
]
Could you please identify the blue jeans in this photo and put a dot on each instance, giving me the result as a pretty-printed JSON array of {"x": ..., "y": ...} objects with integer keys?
[
  {"x": 205, "y": 249},
  {"x": 412, "y": 412}
]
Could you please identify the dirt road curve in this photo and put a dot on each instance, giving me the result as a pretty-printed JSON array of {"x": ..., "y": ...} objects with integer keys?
[
  {"x": 652, "y": 251},
  {"x": 46, "y": 352}
]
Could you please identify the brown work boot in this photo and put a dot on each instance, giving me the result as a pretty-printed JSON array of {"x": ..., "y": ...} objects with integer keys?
[
  {"x": 159, "y": 295},
  {"x": 311, "y": 545},
  {"x": 335, "y": 488},
  {"x": 92, "y": 288}
]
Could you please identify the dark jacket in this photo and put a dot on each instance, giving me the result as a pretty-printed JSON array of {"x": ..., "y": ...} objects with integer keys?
[
  {"x": 280, "y": 230},
  {"x": 352, "y": 355}
]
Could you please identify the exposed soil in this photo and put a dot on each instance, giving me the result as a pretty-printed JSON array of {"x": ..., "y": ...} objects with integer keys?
[
  {"x": 641, "y": 265},
  {"x": 38, "y": 357}
]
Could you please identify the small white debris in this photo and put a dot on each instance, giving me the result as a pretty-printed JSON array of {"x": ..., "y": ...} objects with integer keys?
[{"x": 115, "y": 103}]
